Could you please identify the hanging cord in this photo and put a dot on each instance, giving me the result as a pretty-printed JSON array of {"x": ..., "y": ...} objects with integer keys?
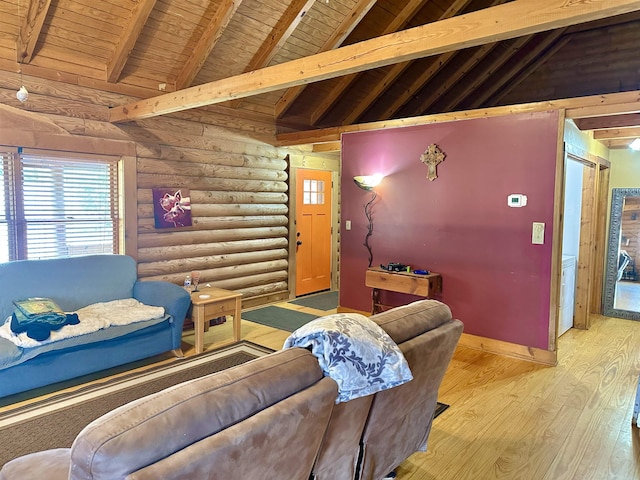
[{"x": 22, "y": 94}]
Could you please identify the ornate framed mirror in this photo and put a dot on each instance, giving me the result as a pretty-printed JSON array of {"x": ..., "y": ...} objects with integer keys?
[{"x": 622, "y": 271}]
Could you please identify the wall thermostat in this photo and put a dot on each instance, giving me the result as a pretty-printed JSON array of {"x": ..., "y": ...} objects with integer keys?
[{"x": 517, "y": 200}]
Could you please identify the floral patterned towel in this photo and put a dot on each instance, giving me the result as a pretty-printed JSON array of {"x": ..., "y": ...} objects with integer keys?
[{"x": 355, "y": 352}]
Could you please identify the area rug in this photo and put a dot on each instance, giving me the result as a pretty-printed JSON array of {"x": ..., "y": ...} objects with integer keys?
[
  {"x": 56, "y": 421},
  {"x": 322, "y": 301},
  {"x": 277, "y": 317}
]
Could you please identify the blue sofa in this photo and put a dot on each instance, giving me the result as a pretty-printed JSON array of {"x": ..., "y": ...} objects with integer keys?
[{"x": 74, "y": 283}]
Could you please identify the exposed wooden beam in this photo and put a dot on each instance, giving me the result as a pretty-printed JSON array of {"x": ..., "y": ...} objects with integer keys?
[
  {"x": 488, "y": 68},
  {"x": 513, "y": 19},
  {"x": 327, "y": 147},
  {"x": 623, "y": 101},
  {"x": 542, "y": 42},
  {"x": 603, "y": 109},
  {"x": 35, "y": 12},
  {"x": 212, "y": 33},
  {"x": 611, "y": 121},
  {"x": 611, "y": 133},
  {"x": 350, "y": 22},
  {"x": 396, "y": 24},
  {"x": 617, "y": 143},
  {"x": 127, "y": 41},
  {"x": 433, "y": 94},
  {"x": 287, "y": 24}
]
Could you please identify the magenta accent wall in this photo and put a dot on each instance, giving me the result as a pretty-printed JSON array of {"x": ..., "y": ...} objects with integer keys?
[{"x": 494, "y": 279}]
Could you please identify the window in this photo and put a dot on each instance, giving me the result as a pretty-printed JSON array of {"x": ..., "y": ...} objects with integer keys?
[
  {"x": 56, "y": 205},
  {"x": 313, "y": 192}
]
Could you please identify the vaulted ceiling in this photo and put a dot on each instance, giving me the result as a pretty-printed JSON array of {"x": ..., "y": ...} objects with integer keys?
[{"x": 144, "y": 48}]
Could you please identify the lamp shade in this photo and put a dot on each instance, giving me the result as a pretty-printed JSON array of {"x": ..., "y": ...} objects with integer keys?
[{"x": 367, "y": 182}]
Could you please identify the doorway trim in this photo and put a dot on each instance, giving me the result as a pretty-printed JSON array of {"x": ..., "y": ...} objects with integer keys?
[
  {"x": 590, "y": 262},
  {"x": 315, "y": 163}
]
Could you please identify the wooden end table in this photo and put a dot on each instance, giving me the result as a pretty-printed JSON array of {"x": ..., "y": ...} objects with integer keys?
[
  {"x": 402, "y": 282},
  {"x": 212, "y": 302}
]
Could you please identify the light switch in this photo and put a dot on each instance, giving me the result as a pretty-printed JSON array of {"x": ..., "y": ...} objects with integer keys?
[
  {"x": 347, "y": 225},
  {"x": 537, "y": 233}
]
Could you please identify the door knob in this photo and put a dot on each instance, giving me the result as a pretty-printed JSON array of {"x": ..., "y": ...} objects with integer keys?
[{"x": 298, "y": 243}]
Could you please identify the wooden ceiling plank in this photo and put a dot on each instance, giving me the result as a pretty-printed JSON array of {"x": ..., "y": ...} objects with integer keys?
[
  {"x": 622, "y": 101},
  {"x": 611, "y": 121},
  {"x": 543, "y": 57},
  {"x": 288, "y": 22},
  {"x": 127, "y": 41},
  {"x": 509, "y": 20},
  {"x": 407, "y": 13},
  {"x": 428, "y": 73},
  {"x": 30, "y": 29},
  {"x": 452, "y": 79},
  {"x": 394, "y": 72},
  {"x": 610, "y": 133},
  {"x": 423, "y": 78},
  {"x": 512, "y": 71},
  {"x": 341, "y": 33},
  {"x": 207, "y": 42},
  {"x": 417, "y": 84},
  {"x": 488, "y": 68}
]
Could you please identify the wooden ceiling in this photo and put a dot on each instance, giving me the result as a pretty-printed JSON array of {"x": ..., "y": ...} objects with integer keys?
[{"x": 144, "y": 48}]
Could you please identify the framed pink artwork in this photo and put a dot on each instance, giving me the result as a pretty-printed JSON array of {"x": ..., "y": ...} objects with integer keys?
[{"x": 171, "y": 207}]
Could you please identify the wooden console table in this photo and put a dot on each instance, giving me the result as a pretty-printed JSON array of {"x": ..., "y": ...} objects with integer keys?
[
  {"x": 211, "y": 302},
  {"x": 402, "y": 282}
]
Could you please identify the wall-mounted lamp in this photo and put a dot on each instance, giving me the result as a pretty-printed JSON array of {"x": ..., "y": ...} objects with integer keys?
[
  {"x": 368, "y": 182},
  {"x": 635, "y": 145}
]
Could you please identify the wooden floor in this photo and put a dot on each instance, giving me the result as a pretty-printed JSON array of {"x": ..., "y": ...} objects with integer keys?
[{"x": 512, "y": 419}]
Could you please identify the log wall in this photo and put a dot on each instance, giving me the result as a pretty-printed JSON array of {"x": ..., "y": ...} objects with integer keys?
[{"x": 238, "y": 182}]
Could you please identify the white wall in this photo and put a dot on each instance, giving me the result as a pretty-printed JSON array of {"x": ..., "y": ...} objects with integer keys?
[
  {"x": 625, "y": 169},
  {"x": 572, "y": 208}
]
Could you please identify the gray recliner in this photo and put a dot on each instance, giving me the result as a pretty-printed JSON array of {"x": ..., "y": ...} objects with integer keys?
[
  {"x": 370, "y": 436},
  {"x": 264, "y": 419}
]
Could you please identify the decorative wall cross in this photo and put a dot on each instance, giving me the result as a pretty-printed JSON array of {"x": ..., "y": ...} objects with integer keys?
[{"x": 431, "y": 157}]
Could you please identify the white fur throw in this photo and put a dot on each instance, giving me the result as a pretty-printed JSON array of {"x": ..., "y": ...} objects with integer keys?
[{"x": 92, "y": 318}]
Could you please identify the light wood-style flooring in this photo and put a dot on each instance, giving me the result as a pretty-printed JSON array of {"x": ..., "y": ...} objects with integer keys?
[{"x": 512, "y": 419}]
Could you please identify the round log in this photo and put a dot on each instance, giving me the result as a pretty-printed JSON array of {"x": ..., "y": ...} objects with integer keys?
[
  {"x": 200, "y": 250},
  {"x": 145, "y": 195},
  {"x": 221, "y": 210},
  {"x": 189, "y": 237},
  {"x": 203, "y": 264}
]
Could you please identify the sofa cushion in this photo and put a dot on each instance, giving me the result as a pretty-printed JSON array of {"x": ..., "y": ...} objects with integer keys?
[
  {"x": 9, "y": 353},
  {"x": 89, "y": 319}
]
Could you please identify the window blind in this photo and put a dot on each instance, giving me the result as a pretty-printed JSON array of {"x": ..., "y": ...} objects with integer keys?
[{"x": 58, "y": 206}]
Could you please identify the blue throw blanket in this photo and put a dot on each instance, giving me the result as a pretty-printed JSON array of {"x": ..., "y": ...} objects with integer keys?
[
  {"x": 40, "y": 326},
  {"x": 355, "y": 352}
]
